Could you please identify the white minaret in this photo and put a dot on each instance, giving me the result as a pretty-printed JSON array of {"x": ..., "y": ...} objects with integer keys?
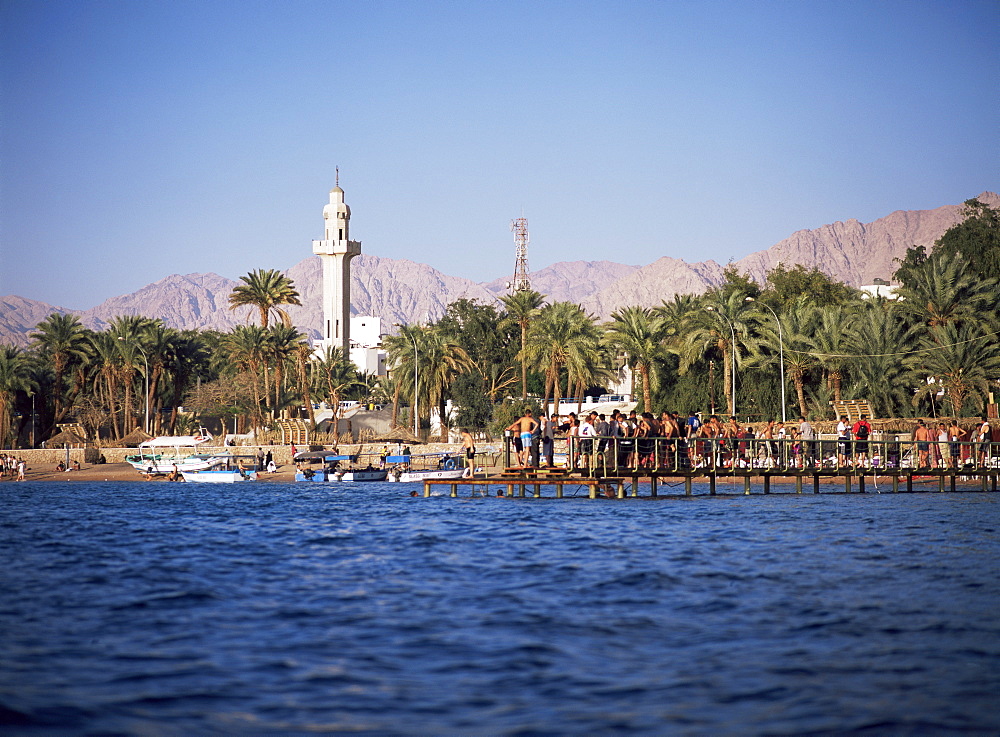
[{"x": 336, "y": 251}]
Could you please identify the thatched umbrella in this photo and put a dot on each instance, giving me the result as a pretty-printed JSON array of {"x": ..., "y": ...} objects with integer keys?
[
  {"x": 66, "y": 437},
  {"x": 134, "y": 438},
  {"x": 398, "y": 435}
]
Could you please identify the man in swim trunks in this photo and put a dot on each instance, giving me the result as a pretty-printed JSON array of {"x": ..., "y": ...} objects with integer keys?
[
  {"x": 524, "y": 429},
  {"x": 469, "y": 447},
  {"x": 922, "y": 436}
]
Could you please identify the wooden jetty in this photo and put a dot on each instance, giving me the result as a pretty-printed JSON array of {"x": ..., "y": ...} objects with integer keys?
[{"x": 601, "y": 479}]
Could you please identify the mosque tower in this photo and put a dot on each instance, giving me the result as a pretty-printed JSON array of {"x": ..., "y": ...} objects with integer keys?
[{"x": 336, "y": 251}]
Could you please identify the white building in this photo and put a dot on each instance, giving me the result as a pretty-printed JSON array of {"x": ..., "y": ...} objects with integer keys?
[
  {"x": 366, "y": 345},
  {"x": 880, "y": 288}
]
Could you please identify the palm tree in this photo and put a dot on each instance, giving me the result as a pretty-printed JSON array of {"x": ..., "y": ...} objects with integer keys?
[
  {"x": 303, "y": 356},
  {"x": 283, "y": 342},
  {"x": 638, "y": 333},
  {"x": 247, "y": 349},
  {"x": 522, "y": 307},
  {"x": 707, "y": 329},
  {"x": 335, "y": 374},
  {"x": 442, "y": 362},
  {"x": 798, "y": 326},
  {"x": 945, "y": 289},
  {"x": 878, "y": 342},
  {"x": 15, "y": 376},
  {"x": 830, "y": 338},
  {"x": 63, "y": 340},
  {"x": 560, "y": 335},
  {"x": 962, "y": 359},
  {"x": 129, "y": 332},
  {"x": 267, "y": 290}
]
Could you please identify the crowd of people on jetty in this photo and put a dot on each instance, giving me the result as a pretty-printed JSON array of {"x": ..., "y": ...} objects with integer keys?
[{"x": 642, "y": 441}]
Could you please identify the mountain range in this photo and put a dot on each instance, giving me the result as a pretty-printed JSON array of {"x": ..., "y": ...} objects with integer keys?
[{"x": 402, "y": 291}]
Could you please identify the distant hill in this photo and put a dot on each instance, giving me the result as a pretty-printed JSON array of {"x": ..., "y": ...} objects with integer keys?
[{"x": 404, "y": 291}]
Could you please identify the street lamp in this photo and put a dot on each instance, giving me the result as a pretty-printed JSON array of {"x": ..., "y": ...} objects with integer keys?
[
  {"x": 146, "y": 362},
  {"x": 416, "y": 385},
  {"x": 781, "y": 354},
  {"x": 732, "y": 349}
]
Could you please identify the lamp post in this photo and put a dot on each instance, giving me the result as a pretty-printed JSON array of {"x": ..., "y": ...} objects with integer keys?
[
  {"x": 781, "y": 354},
  {"x": 145, "y": 360},
  {"x": 732, "y": 350},
  {"x": 416, "y": 385}
]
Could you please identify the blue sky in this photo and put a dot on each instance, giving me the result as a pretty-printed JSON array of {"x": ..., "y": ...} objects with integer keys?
[{"x": 141, "y": 139}]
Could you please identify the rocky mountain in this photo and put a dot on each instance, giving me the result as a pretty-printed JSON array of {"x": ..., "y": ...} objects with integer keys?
[
  {"x": 569, "y": 281},
  {"x": 404, "y": 291}
]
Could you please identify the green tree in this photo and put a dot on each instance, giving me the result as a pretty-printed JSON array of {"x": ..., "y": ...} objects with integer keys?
[
  {"x": 336, "y": 376},
  {"x": 247, "y": 348},
  {"x": 962, "y": 360},
  {"x": 267, "y": 291},
  {"x": 15, "y": 376},
  {"x": 713, "y": 328},
  {"x": 638, "y": 333},
  {"x": 558, "y": 339},
  {"x": 63, "y": 340},
  {"x": 784, "y": 287},
  {"x": 976, "y": 238},
  {"x": 942, "y": 288},
  {"x": 878, "y": 342},
  {"x": 523, "y": 307}
]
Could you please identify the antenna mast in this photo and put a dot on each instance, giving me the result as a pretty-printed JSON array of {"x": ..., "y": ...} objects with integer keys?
[{"x": 520, "y": 282}]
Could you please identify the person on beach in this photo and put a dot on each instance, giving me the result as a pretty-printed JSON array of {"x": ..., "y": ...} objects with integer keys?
[
  {"x": 469, "y": 448},
  {"x": 20, "y": 470}
]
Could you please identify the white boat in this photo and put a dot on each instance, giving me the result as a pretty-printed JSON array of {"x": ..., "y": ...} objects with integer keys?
[
  {"x": 412, "y": 468},
  {"x": 323, "y": 466},
  {"x": 233, "y": 470},
  {"x": 219, "y": 476},
  {"x": 164, "y": 454}
]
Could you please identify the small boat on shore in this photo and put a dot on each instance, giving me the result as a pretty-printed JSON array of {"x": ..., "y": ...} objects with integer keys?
[
  {"x": 233, "y": 470},
  {"x": 324, "y": 466},
  {"x": 167, "y": 453},
  {"x": 412, "y": 468}
]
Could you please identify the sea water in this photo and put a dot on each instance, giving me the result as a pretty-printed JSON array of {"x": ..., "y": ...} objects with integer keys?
[{"x": 180, "y": 609}]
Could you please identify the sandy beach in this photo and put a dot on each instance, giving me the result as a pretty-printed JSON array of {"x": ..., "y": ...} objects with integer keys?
[{"x": 122, "y": 472}]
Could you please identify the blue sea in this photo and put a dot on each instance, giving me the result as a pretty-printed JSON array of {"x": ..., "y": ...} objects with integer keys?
[{"x": 265, "y": 609}]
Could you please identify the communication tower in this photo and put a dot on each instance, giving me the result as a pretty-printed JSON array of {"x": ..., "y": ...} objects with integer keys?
[{"x": 520, "y": 282}]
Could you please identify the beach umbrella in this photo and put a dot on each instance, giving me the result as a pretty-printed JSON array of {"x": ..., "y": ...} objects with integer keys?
[
  {"x": 398, "y": 435},
  {"x": 66, "y": 437},
  {"x": 134, "y": 438}
]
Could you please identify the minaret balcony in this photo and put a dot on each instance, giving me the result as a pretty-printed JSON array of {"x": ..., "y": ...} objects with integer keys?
[{"x": 336, "y": 248}]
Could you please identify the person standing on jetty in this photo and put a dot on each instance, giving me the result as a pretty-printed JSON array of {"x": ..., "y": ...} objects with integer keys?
[
  {"x": 808, "y": 436},
  {"x": 469, "y": 448},
  {"x": 861, "y": 430},
  {"x": 922, "y": 436},
  {"x": 985, "y": 436},
  {"x": 524, "y": 430}
]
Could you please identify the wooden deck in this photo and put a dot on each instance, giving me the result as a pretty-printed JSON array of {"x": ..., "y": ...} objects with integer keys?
[{"x": 530, "y": 482}]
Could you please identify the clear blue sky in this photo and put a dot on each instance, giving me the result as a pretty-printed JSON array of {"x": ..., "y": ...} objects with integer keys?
[{"x": 141, "y": 139}]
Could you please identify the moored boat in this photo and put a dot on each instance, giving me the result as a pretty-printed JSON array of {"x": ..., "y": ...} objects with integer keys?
[
  {"x": 411, "y": 468},
  {"x": 324, "y": 466},
  {"x": 233, "y": 470},
  {"x": 168, "y": 453}
]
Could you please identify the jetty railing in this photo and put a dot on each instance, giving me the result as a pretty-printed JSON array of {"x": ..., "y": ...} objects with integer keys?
[{"x": 613, "y": 455}]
